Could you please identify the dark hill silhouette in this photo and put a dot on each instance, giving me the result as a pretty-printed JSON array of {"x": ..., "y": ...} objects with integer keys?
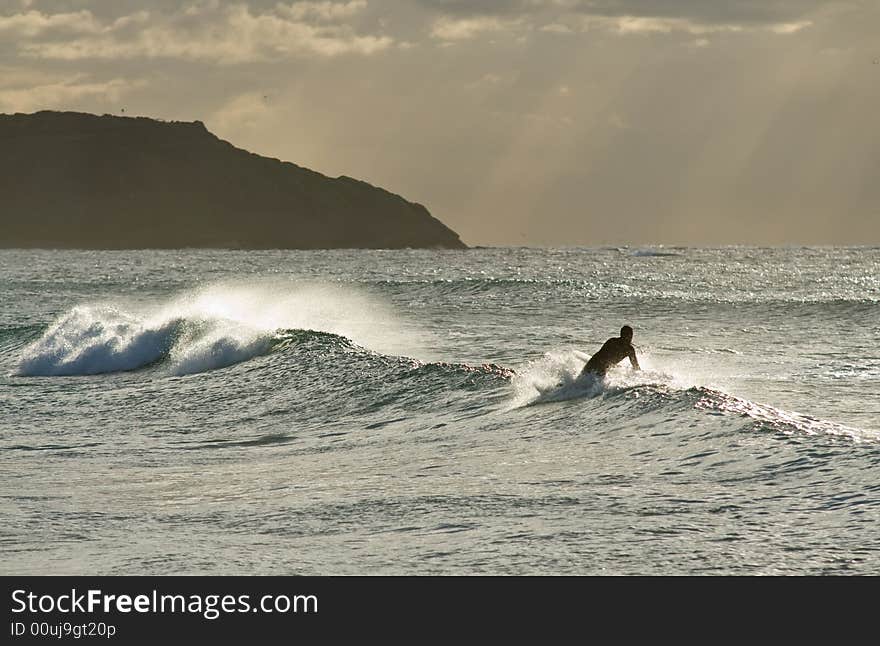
[{"x": 74, "y": 180}]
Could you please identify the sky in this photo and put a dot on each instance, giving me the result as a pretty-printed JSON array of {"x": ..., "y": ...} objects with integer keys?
[{"x": 516, "y": 122}]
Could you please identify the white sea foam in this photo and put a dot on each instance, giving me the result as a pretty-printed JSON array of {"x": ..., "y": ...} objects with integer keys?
[
  {"x": 209, "y": 328},
  {"x": 781, "y": 420},
  {"x": 557, "y": 376},
  {"x": 99, "y": 338}
]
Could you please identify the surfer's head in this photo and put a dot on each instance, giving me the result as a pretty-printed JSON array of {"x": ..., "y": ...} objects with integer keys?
[{"x": 626, "y": 333}]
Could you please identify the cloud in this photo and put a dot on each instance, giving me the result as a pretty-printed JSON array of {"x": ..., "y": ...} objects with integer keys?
[
  {"x": 462, "y": 19},
  {"x": 556, "y": 28},
  {"x": 243, "y": 111},
  {"x": 655, "y": 25},
  {"x": 702, "y": 11},
  {"x": 459, "y": 28},
  {"x": 31, "y": 24},
  {"x": 325, "y": 11},
  {"x": 59, "y": 94},
  {"x": 652, "y": 25},
  {"x": 790, "y": 27},
  {"x": 210, "y": 31},
  {"x": 450, "y": 28}
]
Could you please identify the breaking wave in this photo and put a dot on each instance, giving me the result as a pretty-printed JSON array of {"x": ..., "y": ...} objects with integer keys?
[
  {"x": 90, "y": 340},
  {"x": 670, "y": 398},
  {"x": 211, "y": 328},
  {"x": 336, "y": 349}
]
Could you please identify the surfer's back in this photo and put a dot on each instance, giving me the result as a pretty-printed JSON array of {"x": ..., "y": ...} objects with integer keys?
[{"x": 613, "y": 351}]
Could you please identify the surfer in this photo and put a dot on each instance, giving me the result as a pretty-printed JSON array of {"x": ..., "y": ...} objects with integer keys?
[{"x": 613, "y": 352}]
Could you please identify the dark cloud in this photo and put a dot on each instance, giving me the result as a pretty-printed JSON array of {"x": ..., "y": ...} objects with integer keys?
[
  {"x": 701, "y": 11},
  {"x": 706, "y": 11}
]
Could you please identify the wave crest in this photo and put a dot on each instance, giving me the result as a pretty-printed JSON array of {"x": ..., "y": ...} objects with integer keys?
[
  {"x": 217, "y": 326},
  {"x": 96, "y": 339},
  {"x": 556, "y": 377}
]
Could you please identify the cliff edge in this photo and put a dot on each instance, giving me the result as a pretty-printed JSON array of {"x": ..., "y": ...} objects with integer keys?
[{"x": 74, "y": 180}]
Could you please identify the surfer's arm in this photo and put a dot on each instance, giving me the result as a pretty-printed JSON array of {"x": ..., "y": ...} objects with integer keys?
[{"x": 632, "y": 358}]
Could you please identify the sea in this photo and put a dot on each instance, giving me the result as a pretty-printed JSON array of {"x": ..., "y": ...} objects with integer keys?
[{"x": 422, "y": 412}]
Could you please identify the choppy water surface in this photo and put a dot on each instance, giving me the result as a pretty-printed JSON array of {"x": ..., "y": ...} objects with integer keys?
[{"x": 419, "y": 412}]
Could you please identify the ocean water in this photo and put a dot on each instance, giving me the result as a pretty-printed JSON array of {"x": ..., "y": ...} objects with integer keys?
[{"x": 420, "y": 412}]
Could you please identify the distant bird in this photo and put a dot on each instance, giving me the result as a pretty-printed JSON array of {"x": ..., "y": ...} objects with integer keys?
[{"x": 123, "y": 109}]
